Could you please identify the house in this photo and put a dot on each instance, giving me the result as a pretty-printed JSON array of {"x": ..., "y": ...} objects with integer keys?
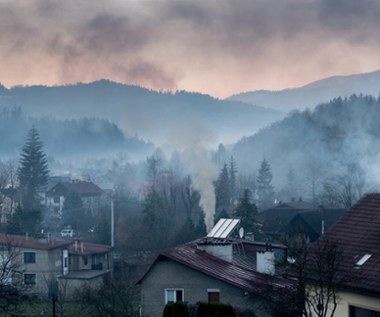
[
  {"x": 297, "y": 218},
  {"x": 313, "y": 223},
  {"x": 9, "y": 201},
  {"x": 89, "y": 192},
  {"x": 90, "y": 265},
  {"x": 357, "y": 235},
  {"x": 276, "y": 219},
  {"x": 33, "y": 264},
  {"x": 238, "y": 272},
  {"x": 36, "y": 265}
]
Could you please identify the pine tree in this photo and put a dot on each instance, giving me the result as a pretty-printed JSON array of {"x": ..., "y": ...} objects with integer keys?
[
  {"x": 222, "y": 191},
  {"x": 220, "y": 156},
  {"x": 24, "y": 221},
  {"x": 33, "y": 171},
  {"x": 246, "y": 210},
  {"x": 265, "y": 190},
  {"x": 232, "y": 178}
]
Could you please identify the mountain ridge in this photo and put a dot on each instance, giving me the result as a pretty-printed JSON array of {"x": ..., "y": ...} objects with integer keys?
[
  {"x": 314, "y": 93},
  {"x": 140, "y": 110}
]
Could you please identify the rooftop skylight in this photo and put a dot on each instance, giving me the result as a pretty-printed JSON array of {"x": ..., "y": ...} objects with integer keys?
[{"x": 363, "y": 259}]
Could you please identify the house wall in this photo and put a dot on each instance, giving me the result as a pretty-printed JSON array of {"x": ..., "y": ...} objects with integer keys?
[
  {"x": 91, "y": 204},
  {"x": 7, "y": 208},
  {"x": 351, "y": 299},
  {"x": 170, "y": 274},
  {"x": 94, "y": 262},
  {"x": 47, "y": 267},
  {"x": 70, "y": 287},
  {"x": 345, "y": 300}
]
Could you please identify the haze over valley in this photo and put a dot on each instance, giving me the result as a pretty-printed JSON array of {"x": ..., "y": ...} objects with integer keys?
[
  {"x": 103, "y": 122},
  {"x": 186, "y": 157}
]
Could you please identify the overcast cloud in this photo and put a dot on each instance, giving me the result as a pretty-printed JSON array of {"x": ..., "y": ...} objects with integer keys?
[{"x": 219, "y": 47}]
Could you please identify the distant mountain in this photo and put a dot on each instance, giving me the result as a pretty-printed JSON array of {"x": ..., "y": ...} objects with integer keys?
[
  {"x": 68, "y": 139},
  {"x": 310, "y": 95},
  {"x": 318, "y": 144},
  {"x": 157, "y": 116}
]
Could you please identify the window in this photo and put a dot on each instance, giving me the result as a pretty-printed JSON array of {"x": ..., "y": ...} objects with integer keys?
[
  {"x": 213, "y": 295},
  {"x": 56, "y": 199},
  {"x": 173, "y": 295},
  {"x": 29, "y": 279},
  {"x": 65, "y": 264},
  {"x": 29, "y": 257},
  {"x": 362, "y": 312},
  {"x": 85, "y": 260}
]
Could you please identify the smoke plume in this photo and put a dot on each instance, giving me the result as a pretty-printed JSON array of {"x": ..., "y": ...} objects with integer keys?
[{"x": 193, "y": 141}]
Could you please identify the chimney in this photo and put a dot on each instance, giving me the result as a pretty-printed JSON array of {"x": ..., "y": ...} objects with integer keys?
[
  {"x": 222, "y": 250},
  {"x": 265, "y": 261}
]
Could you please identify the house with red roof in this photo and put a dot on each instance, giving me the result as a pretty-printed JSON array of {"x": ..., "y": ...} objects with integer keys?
[
  {"x": 89, "y": 192},
  {"x": 238, "y": 272},
  {"x": 32, "y": 264},
  {"x": 42, "y": 266},
  {"x": 357, "y": 235}
]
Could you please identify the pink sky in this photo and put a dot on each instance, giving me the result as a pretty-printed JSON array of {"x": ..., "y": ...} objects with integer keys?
[{"x": 217, "y": 47}]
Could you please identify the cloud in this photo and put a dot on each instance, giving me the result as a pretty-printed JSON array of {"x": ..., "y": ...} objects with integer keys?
[{"x": 215, "y": 46}]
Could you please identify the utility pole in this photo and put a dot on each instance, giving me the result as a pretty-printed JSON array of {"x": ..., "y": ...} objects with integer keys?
[
  {"x": 112, "y": 224},
  {"x": 54, "y": 300}
]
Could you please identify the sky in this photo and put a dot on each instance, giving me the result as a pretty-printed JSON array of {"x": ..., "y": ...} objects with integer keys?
[{"x": 216, "y": 47}]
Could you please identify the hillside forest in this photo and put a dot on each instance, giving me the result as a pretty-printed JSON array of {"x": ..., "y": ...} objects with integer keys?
[{"x": 326, "y": 156}]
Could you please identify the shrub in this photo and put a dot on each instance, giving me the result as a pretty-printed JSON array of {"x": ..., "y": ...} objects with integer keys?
[
  {"x": 178, "y": 309},
  {"x": 215, "y": 310}
]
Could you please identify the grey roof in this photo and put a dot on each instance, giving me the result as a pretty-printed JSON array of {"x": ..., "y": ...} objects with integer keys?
[{"x": 84, "y": 274}]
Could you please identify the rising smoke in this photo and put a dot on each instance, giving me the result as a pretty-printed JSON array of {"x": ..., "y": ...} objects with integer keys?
[{"x": 192, "y": 141}]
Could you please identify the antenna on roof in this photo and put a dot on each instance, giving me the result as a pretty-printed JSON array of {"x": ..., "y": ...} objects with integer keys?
[{"x": 241, "y": 232}]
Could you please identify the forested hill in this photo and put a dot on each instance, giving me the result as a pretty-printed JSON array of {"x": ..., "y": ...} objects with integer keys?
[
  {"x": 67, "y": 139},
  {"x": 149, "y": 113},
  {"x": 325, "y": 142},
  {"x": 312, "y": 94}
]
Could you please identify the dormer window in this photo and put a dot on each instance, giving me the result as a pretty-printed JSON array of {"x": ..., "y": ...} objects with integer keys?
[{"x": 363, "y": 259}]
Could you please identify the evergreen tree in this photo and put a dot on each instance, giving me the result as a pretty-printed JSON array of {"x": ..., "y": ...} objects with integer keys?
[
  {"x": 200, "y": 229},
  {"x": 232, "y": 178},
  {"x": 222, "y": 191},
  {"x": 73, "y": 212},
  {"x": 265, "y": 190},
  {"x": 220, "y": 156},
  {"x": 24, "y": 221},
  {"x": 33, "y": 171},
  {"x": 246, "y": 210},
  {"x": 221, "y": 214}
]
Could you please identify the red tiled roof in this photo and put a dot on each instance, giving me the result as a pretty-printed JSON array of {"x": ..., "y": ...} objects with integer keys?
[
  {"x": 31, "y": 243},
  {"x": 357, "y": 233},
  {"x": 84, "y": 188},
  {"x": 231, "y": 273},
  {"x": 86, "y": 248}
]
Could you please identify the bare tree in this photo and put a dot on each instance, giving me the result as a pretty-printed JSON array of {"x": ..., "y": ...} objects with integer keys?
[
  {"x": 324, "y": 276},
  {"x": 318, "y": 270},
  {"x": 10, "y": 274},
  {"x": 8, "y": 182},
  {"x": 114, "y": 299},
  {"x": 344, "y": 189}
]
